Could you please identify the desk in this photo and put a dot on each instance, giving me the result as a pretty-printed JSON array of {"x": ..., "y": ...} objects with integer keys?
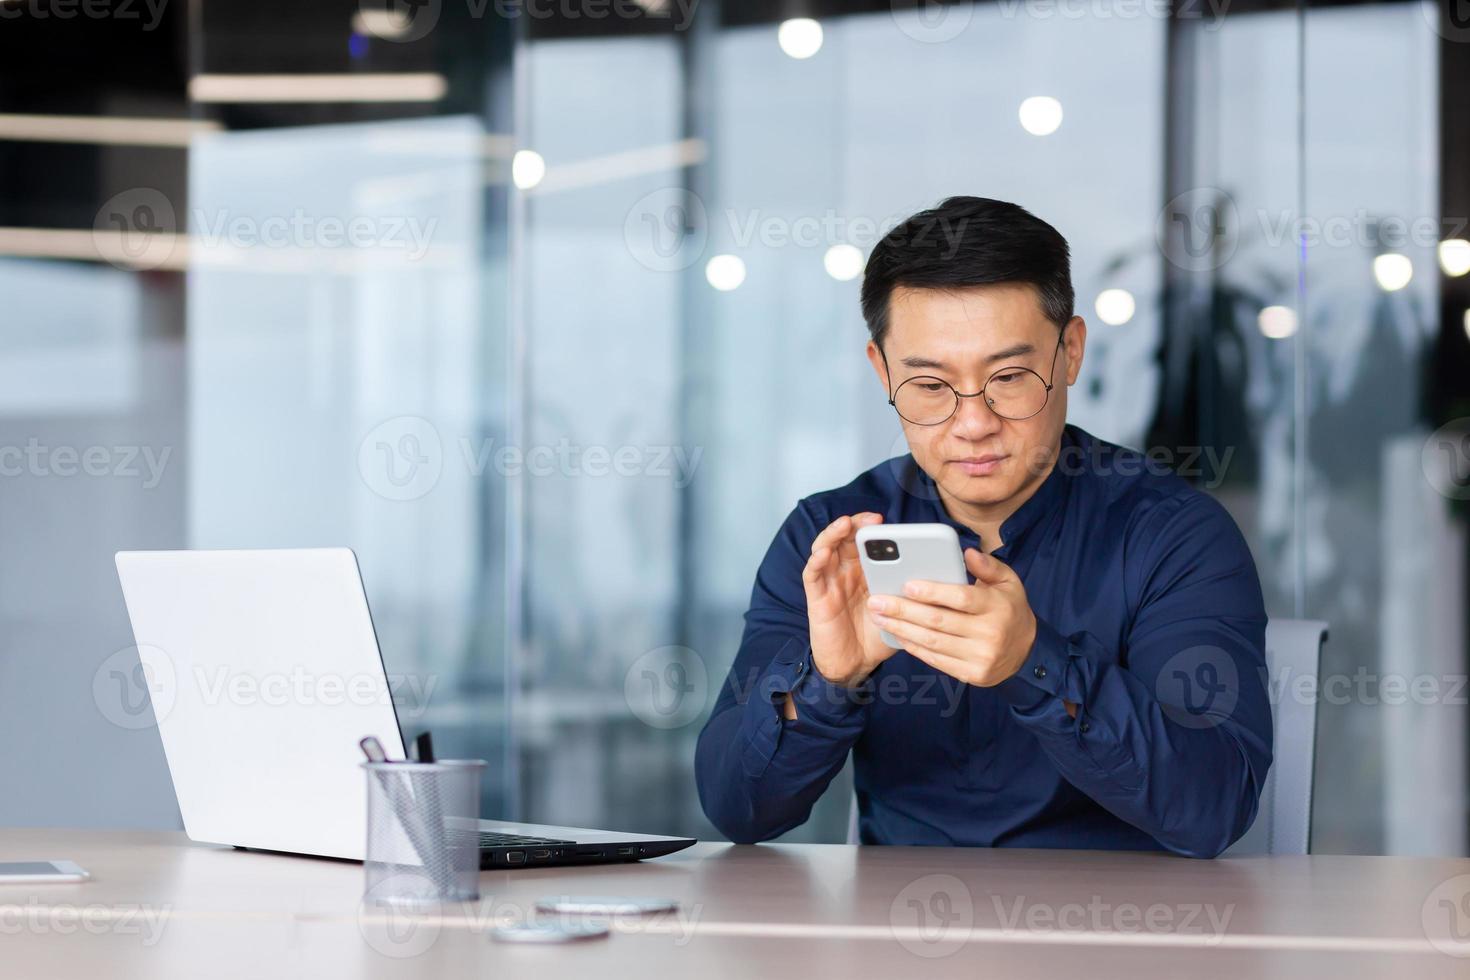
[{"x": 159, "y": 906}]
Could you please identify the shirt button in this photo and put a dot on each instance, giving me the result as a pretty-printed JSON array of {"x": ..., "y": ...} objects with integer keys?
[
  {"x": 1039, "y": 671},
  {"x": 1084, "y": 728}
]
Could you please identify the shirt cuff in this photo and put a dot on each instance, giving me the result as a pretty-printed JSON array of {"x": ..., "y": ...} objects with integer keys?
[
  {"x": 1042, "y": 675},
  {"x": 819, "y": 702}
]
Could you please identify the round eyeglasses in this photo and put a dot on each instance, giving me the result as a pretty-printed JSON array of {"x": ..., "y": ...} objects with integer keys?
[{"x": 1014, "y": 393}]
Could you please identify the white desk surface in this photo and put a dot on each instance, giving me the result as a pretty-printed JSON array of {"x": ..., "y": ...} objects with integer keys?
[{"x": 158, "y": 906}]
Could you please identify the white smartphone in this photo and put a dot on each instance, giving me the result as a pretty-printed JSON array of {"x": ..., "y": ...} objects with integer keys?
[
  {"x": 893, "y": 554},
  {"x": 26, "y": 872}
]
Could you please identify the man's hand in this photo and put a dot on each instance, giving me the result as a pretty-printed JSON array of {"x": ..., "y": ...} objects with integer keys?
[
  {"x": 846, "y": 646},
  {"x": 979, "y": 634}
]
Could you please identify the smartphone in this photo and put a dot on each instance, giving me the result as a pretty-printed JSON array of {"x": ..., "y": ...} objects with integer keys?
[
  {"x": 19, "y": 872},
  {"x": 893, "y": 554}
]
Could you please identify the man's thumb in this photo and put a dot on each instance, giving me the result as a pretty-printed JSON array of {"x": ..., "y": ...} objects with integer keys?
[{"x": 986, "y": 568}]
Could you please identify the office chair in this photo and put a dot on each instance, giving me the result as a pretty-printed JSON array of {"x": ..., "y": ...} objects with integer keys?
[{"x": 1283, "y": 822}]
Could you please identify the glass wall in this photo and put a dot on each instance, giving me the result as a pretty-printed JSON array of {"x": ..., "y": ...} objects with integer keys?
[{"x": 553, "y": 319}]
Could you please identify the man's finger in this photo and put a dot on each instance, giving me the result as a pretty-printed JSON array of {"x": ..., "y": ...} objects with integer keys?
[
  {"x": 963, "y": 598},
  {"x": 832, "y": 534},
  {"x": 848, "y": 550},
  {"x": 814, "y": 576},
  {"x": 960, "y": 670},
  {"x": 920, "y": 635},
  {"x": 939, "y": 618},
  {"x": 988, "y": 568}
]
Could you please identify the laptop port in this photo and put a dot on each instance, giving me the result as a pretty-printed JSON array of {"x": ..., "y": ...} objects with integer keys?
[
  {"x": 627, "y": 851},
  {"x": 540, "y": 855},
  {"x": 589, "y": 852},
  {"x": 515, "y": 857}
]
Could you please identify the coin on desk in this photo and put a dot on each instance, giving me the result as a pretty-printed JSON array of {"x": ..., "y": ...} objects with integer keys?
[{"x": 548, "y": 933}]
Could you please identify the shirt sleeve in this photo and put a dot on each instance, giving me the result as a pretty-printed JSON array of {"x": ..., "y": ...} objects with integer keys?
[
  {"x": 1172, "y": 732},
  {"x": 759, "y": 774}
]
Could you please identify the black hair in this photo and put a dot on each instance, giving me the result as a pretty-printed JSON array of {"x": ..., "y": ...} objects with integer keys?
[{"x": 969, "y": 241}]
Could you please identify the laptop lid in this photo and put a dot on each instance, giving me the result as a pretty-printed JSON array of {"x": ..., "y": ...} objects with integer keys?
[{"x": 264, "y": 673}]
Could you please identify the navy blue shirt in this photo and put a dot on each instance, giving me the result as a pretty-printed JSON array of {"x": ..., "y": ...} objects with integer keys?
[{"x": 1149, "y": 619}]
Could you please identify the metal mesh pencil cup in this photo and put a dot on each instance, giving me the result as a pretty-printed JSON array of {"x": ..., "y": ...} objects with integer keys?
[{"x": 422, "y": 844}]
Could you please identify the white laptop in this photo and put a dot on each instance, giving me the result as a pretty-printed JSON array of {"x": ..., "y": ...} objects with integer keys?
[{"x": 265, "y": 674}]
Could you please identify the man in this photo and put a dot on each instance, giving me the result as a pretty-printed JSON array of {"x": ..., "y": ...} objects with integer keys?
[{"x": 1098, "y": 684}]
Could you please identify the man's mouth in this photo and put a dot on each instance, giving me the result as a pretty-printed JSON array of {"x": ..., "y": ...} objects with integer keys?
[{"x": 978, "y": 465}]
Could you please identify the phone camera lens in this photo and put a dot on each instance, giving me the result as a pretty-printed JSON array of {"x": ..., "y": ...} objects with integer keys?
[{"x": 881, "y": 549}]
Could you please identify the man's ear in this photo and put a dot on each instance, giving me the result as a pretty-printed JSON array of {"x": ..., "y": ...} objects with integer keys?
[
  {"x": 1074, "y": 342},
  {"x": 875, "y": 358}
]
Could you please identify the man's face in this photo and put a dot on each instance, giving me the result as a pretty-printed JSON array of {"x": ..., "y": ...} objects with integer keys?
[{"x": 965, "y": 337}]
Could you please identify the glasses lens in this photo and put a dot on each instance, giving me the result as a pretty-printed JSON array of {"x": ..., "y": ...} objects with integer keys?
[
  {"x": 925, "y": 401},
  {"x": 1016, "y": 394}
]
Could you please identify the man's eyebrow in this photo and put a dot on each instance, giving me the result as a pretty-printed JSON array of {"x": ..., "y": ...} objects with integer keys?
[{"x": 1015, "y": 350}]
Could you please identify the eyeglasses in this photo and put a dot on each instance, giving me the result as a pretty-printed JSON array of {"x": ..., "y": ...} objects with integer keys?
[{"x": 1014, "y": 393}]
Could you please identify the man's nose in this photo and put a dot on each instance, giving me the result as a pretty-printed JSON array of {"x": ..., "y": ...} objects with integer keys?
[{"x": 974, "y": 420}]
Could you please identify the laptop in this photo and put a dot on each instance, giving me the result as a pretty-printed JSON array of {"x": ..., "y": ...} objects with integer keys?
[{"x": 264, "y": 673}]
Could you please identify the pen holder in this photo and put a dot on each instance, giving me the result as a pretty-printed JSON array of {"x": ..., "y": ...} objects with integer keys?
[{"x": 423, "y": 843}]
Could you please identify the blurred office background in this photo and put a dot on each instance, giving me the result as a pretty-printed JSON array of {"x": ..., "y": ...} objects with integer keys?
[{"x": 549, "y": 309}]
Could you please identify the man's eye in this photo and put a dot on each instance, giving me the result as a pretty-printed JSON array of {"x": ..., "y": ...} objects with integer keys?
[
  {"x": 1008, "y": 378},
  {"x": 932, "y": 387}
]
